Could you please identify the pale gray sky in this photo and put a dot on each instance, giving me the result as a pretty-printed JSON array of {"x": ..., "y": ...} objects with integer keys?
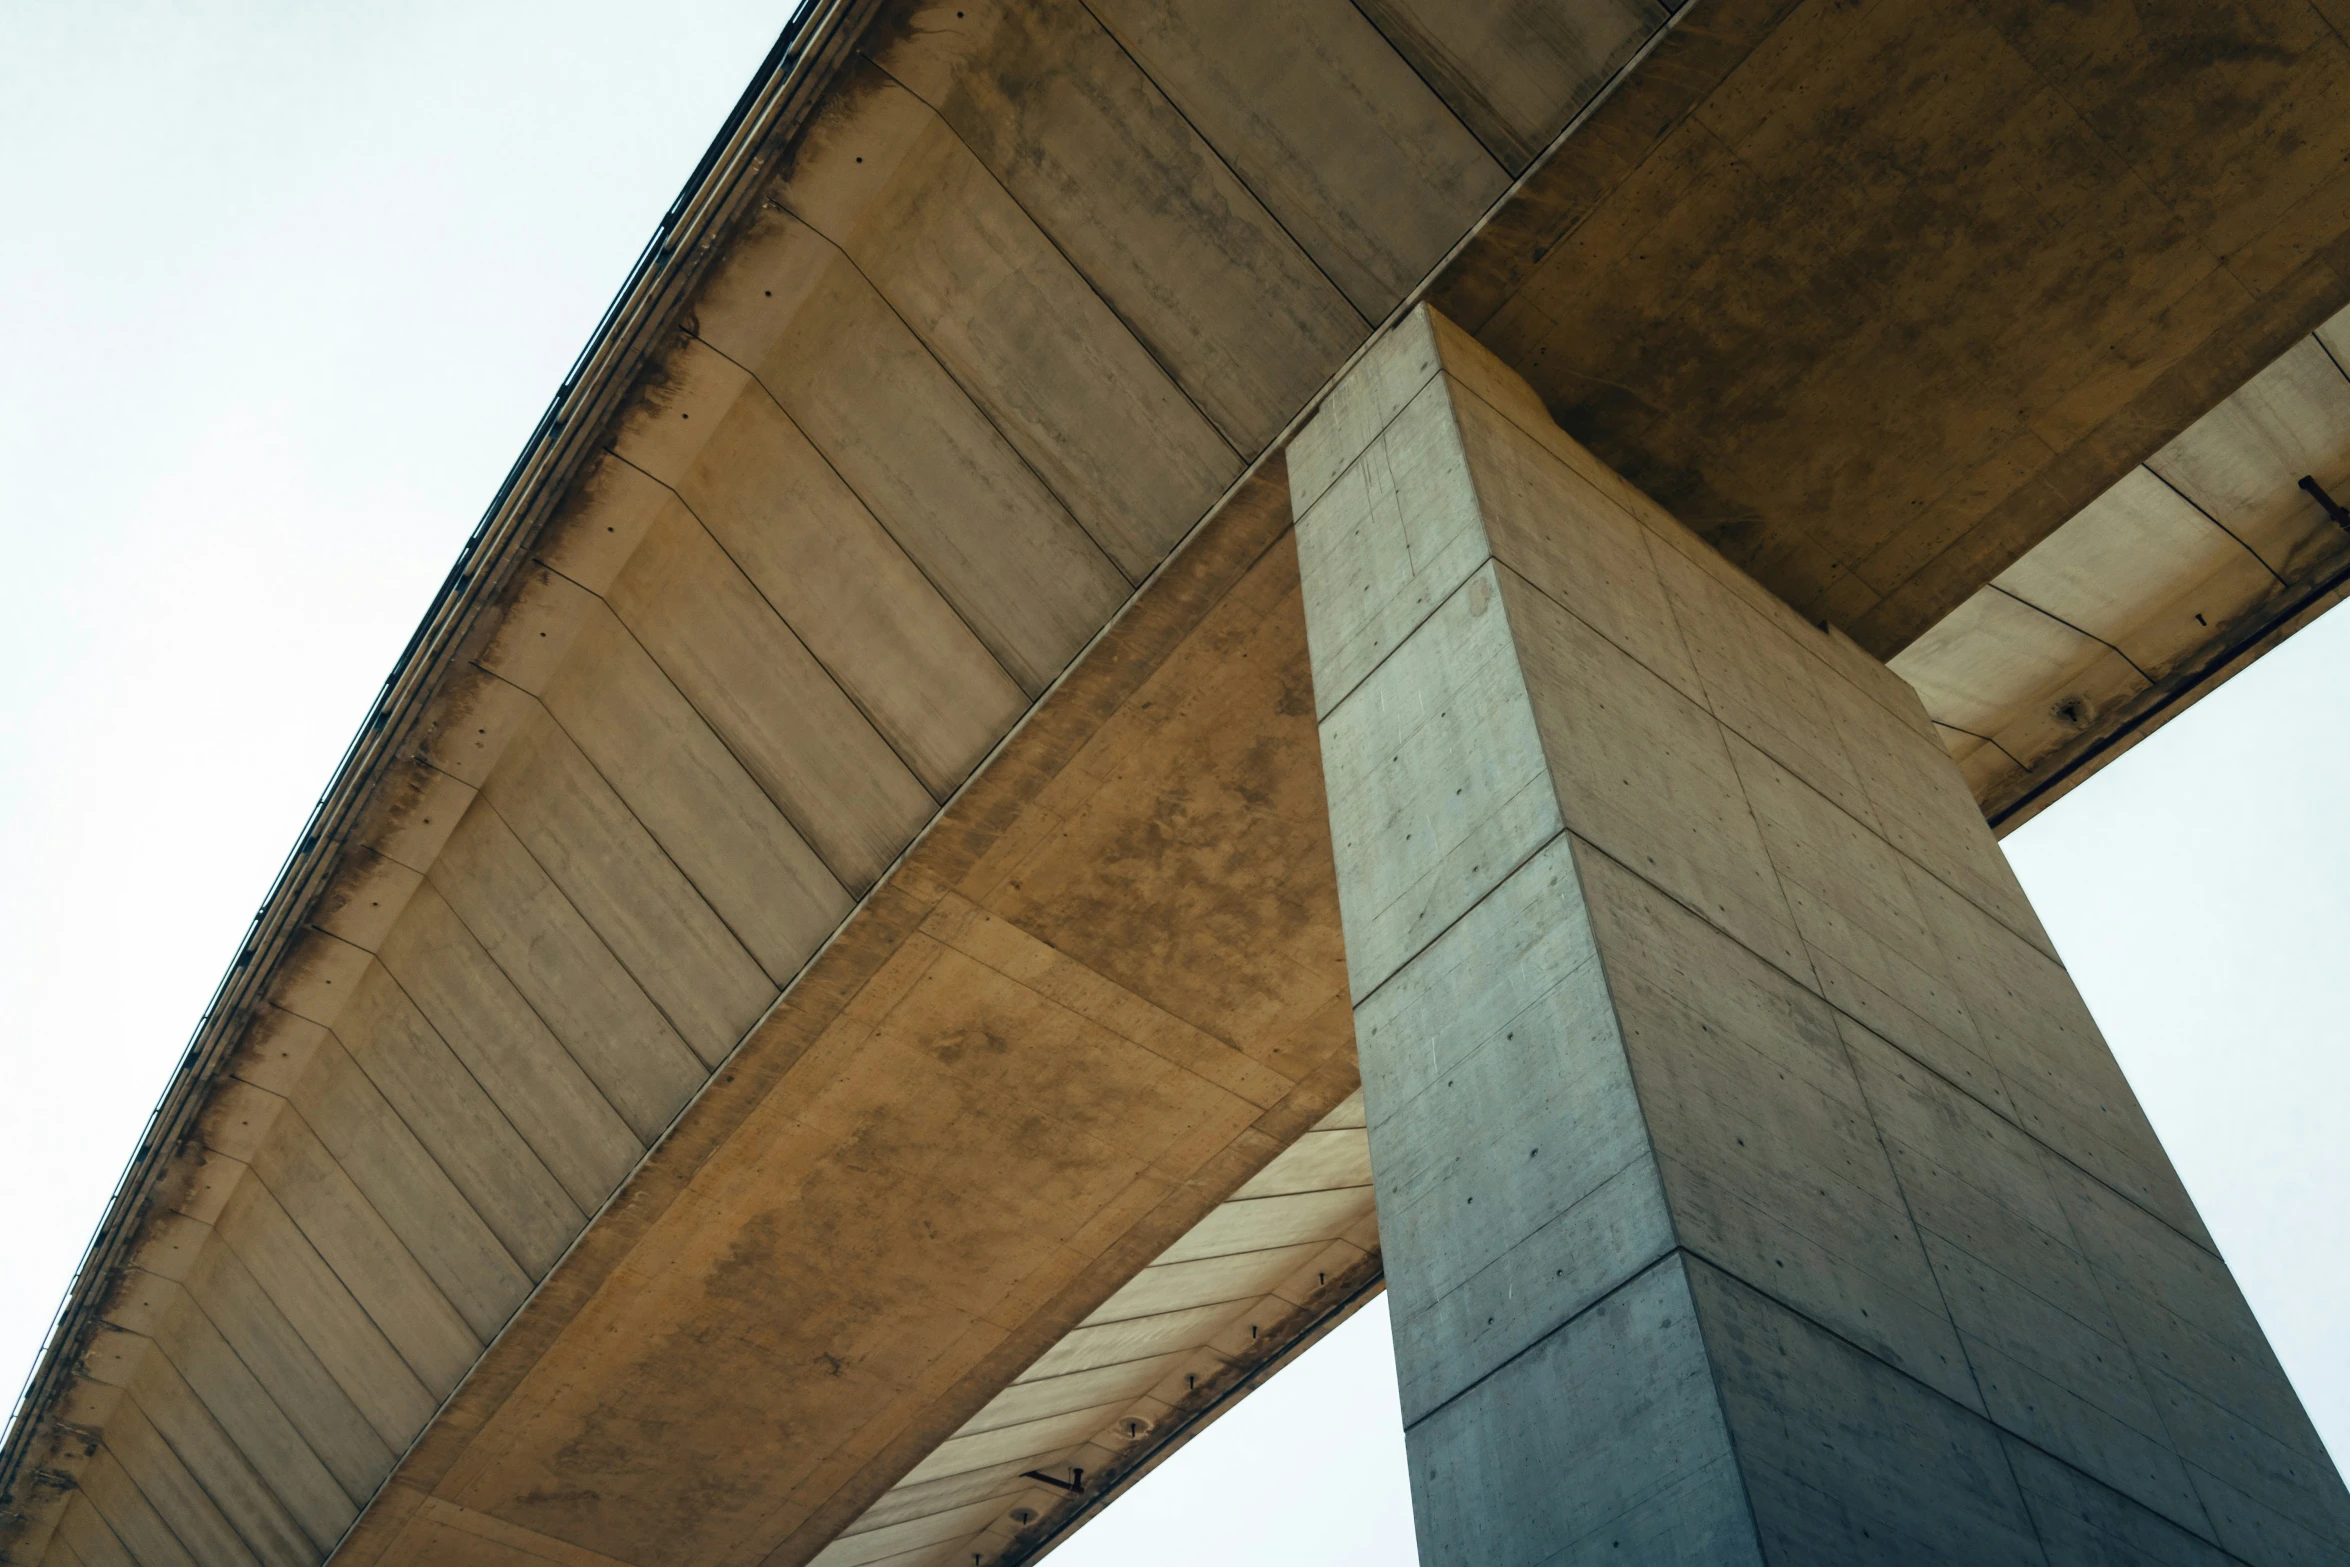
[{"x": 288, "y": 287}]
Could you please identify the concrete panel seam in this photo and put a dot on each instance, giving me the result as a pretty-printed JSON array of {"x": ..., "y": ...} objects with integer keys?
[
  {"x": 830, "y": 673},
  {"x": 1411, "y": 300},
  {"x": 1639, "y": 1273},
  {"x": 1305, "y": 1338},
  {"x": 978, "y": 406},
  {"x": 1554, "y": 600},
  {"x": 781, "y": 809},
  {"x": 2209, "y": 1534},
  {"x": 423, "y": 1274},
  {"x": 174, "y": 1359},
  {"x": 796, "y": 827},
  {"x": 1738, "y": 1465},
  {"x": 1995, "y": 745},
  {"x": 1412, "y": 65},
  {"x": 1403, "y": 406},
  {"x": 1533, "y": 158},
  {"x": 1924, "y": 869},
  {"x": 650, "y": 999},
  {"x": 1801, "y": 777},
  {"x": 1077, "y": 271},
  {"x": 1908, "y": 1210},
  {"x": 1240, "y": 179},
  {"x": 219, "y": 1504},
  {"x": 1434, "y": 936},
  {"x": 1644, "y": 1159},
  {"x": 1213, "y": 151},
  {"x": 879, "y": 520},
  {"x": 438, "y": 772},
  {"x": 2026, "y": 1132},
  {"x": 2038, "y": 609},
  {"x": 719, "y": 1072},
  {"x": 1810, "y": 986},
  {"x": 531, "y": 1006},
  {"x": 106, "y": 1445},
  {"x": 1896, "y": 1046},
  {"x": 1405, "y": 639},
  {"x": 197, "y": 1304},
  {"x": 2005, "y": 1432},
  {"x": 1811, "y": 980},
  {"x": 2137, "y": 1358},
  {"x": 650, "y": 836},
  {"x": 1917, "y": 1232},
  {"x": 1403, "y": 635}
]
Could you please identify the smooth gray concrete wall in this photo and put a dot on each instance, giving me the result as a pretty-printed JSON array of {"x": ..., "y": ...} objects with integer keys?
[{"x": 1753, "y": 1184}]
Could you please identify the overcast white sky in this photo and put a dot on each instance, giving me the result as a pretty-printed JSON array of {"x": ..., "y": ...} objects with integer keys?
[{"x": 287, "y": 286}]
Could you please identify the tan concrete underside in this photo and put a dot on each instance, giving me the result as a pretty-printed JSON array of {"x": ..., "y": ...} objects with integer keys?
[
  {"x": 2191, "y": 565},
  {"x": 1002, "y": 1092},
  {"x": 1008, "y": 326},
  {"x": 1039, "y": 284},
  {"x": 1876, "y": 294}
]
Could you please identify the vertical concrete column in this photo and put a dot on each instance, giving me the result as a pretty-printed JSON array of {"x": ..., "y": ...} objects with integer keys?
[{"x": 1753, "y": 1185}]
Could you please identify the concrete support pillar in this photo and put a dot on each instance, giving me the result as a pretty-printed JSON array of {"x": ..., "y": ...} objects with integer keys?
[{"x": 1753, "y": 1185}]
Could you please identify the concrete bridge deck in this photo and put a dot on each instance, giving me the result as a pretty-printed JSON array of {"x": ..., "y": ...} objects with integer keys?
[{"x": 821, "y": 995}]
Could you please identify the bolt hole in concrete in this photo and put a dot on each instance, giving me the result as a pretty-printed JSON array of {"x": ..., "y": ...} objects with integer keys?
[{"x": 1266, "y": 1483}]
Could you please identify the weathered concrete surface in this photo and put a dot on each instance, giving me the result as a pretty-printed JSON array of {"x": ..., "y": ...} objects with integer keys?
[
  {"x": 2193, "y": 564},
  {"x": 1011, "y": 297},
  {"x": 804, "y": 1286},
  {"x": 1267, "y": 1272},
  {"x": 1874, "y": 294},
  {"x": 1030, "y": 287},
  {"x": 1753, "y": 1184}
]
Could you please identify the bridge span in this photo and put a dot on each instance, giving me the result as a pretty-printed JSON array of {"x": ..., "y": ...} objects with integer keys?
[{"x": 1176, "y": 660}]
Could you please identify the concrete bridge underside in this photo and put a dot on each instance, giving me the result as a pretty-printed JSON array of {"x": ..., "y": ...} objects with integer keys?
[{"x": 823, "y": 997}]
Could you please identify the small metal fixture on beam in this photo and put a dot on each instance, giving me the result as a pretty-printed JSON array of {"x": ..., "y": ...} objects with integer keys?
[
  {"x": 2333, "y": 508},
  {"x": 1074, "y": 1485}
]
